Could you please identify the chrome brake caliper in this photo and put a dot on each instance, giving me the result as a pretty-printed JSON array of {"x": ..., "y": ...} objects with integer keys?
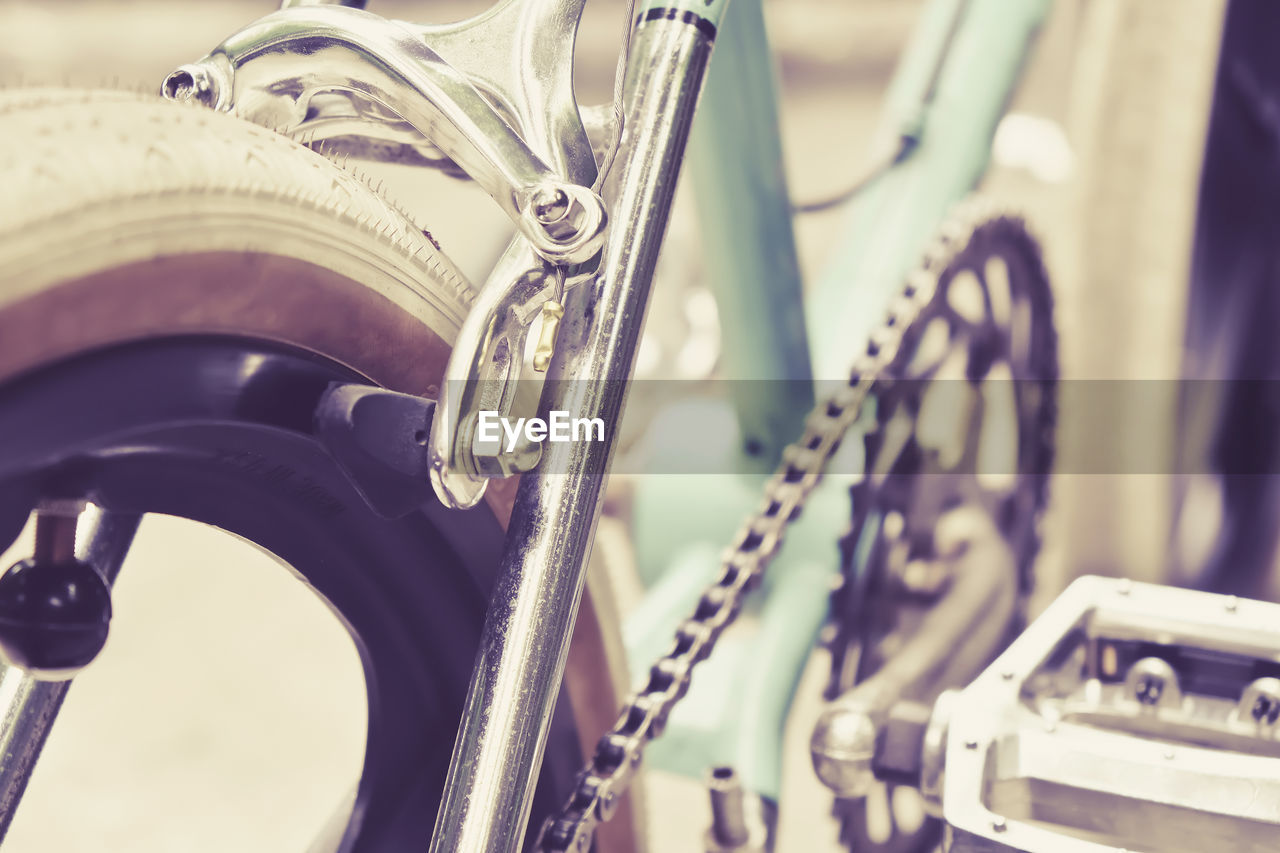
[{"x": 485, "y": 100}]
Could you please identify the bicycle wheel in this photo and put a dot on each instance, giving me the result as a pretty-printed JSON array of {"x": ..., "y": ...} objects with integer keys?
[{"x": 177, "y": 288}]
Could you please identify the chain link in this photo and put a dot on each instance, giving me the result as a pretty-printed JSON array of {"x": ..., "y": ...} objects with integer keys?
[{"x": 601, "y": 783}]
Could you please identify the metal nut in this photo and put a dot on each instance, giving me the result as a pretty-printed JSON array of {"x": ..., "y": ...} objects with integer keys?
[
  {"x": 843, "y": 749},
  {"x": 550, "y": 205},
  {"x": 195, "y": 83}
]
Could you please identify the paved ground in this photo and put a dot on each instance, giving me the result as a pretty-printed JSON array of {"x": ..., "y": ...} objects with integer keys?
[{"x": 147, "y": 739}]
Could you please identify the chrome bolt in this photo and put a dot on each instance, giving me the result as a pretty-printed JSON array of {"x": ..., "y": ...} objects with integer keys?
[
  {"x": 550, "y": 205},
  {"x": 1152, "y": 681},
  {"x": 1233, "y": 603},
  {"x": 191, "y": 83},
  {"x": 971, "y": 744},
  {"x": 738, "y": 822},
  {"x": 999, "y": 824},
  {"x": 728, "y": 814},
  {"x": 1149, "y": 689},
  {"x": 491, "y": 458},
  {"x": 1260, "y": 702},
  {"x": 1266, "y": 708}
]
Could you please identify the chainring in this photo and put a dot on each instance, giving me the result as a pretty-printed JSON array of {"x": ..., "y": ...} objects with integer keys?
[{"x": 968, "y": 422}]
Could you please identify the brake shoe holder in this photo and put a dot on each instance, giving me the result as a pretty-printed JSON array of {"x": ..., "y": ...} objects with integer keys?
[{"x": 482, "y": 376}]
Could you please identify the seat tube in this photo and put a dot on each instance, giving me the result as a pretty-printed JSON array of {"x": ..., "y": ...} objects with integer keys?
[{"x": 745, "y": 224}]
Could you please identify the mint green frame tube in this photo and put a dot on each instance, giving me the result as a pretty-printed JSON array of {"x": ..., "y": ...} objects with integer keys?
[
  {"x": 745, "y": 222},
  {"x": 949, "y": 93}
]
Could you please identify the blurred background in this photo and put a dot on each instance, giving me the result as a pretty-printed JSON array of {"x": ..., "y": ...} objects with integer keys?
[{"x": 184, "y": 710}]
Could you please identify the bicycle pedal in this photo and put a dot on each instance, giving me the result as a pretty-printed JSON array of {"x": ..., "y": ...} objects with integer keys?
[{"x": 1128, "y": 716}]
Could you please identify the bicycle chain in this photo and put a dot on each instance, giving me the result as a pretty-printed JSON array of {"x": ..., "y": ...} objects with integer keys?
[{"x": 607, "y": 775}]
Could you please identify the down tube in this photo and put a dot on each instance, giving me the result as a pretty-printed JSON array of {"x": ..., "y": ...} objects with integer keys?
[
  {"x": 949, "y": 93},
  {"x": 525, "y": 640}
]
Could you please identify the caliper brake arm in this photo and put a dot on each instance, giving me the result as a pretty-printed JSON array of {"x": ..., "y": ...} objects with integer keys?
[
  {"x": 497, "y": 102},
  {"x": 271, "y": 70}
]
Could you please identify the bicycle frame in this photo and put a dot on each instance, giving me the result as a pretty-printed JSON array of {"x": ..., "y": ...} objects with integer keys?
[
  {"x": 1173, "y": 692},
  {"x": 941, "y": 114}
]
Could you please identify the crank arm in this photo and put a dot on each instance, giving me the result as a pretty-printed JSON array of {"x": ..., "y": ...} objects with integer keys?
[
  {"x": 959, "y": 636},
  {"x": 273, "y": 69}
]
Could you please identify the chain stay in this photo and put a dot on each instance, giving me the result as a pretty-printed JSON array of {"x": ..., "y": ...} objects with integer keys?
[{"x": 600, "y": 785}]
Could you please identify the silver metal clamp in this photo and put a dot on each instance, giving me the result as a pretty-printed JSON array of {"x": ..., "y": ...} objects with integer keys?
[{"x": 483, "y": 97}]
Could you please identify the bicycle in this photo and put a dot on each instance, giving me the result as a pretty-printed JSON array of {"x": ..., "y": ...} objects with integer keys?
[{"x": 150, "y": 367}]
